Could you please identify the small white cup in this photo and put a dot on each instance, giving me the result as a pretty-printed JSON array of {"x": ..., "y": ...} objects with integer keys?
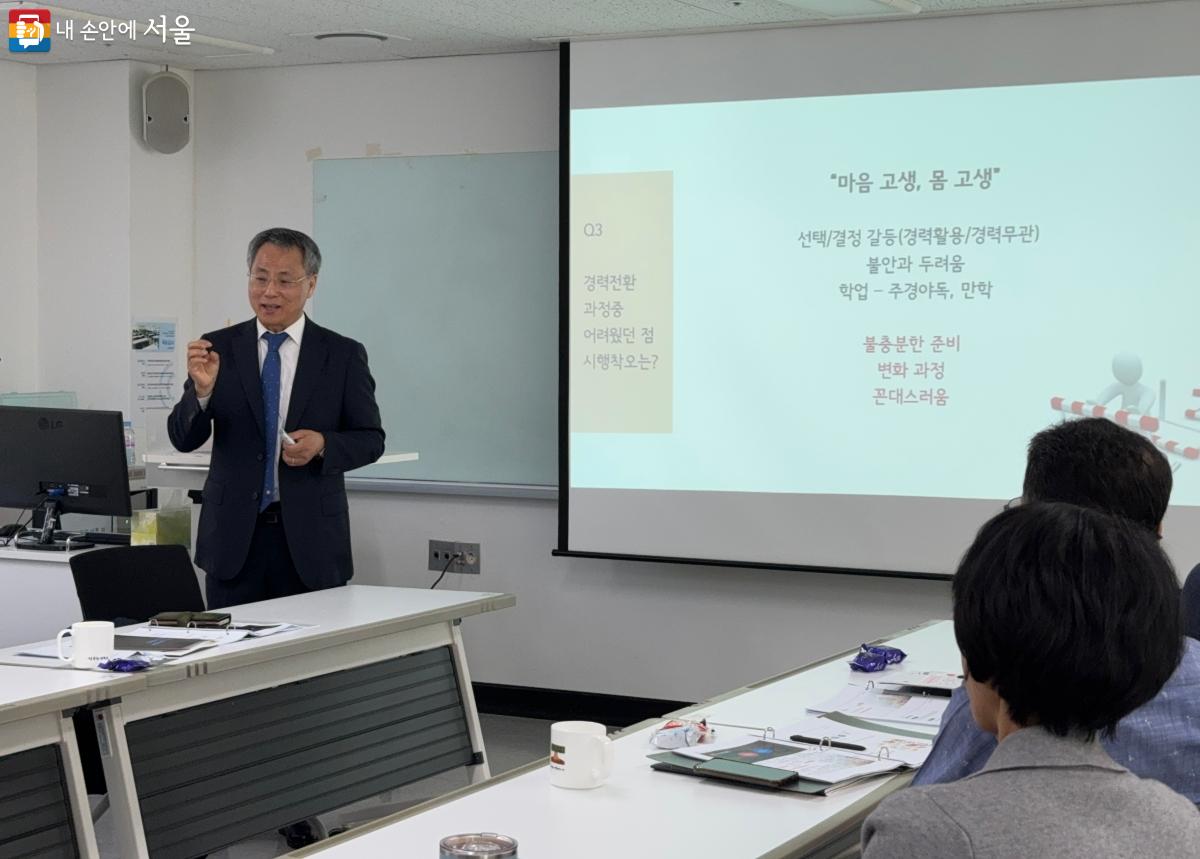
[
  {"x": 581, "y": 755},
  {"x": 91, "y": 643}
]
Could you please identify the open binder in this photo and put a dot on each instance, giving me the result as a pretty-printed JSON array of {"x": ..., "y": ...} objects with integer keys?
[
  {"x": 826, "y": 754},
  {"x": 756, "y": 775},
  {"x": 766, "y": 762}
]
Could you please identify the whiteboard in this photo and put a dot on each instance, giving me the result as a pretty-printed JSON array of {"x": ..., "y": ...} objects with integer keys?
[{"x": 446, "y": 268}]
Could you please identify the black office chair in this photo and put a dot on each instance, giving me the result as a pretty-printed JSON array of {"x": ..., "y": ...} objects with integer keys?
[
  {"x": 1191, "y": 603},
  {"x": 127, "y": 584},
  {"x": 131, "y": 584}
]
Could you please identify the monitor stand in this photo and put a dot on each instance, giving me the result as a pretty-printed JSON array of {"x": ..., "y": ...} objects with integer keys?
[
  {"x": 46, "y": 541},
  {"x": 57, "y": 546}
]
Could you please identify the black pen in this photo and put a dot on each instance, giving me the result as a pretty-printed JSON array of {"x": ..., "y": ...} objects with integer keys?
[{"x": 833, "y": 744}]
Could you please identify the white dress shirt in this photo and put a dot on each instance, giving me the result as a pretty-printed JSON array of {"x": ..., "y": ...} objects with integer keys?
[{"x": 289, "y": 355}]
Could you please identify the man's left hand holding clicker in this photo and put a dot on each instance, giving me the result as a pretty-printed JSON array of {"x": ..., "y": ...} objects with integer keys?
[{"x": 308, "y": 445}]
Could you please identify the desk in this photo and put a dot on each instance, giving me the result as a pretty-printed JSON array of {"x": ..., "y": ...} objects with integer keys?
[
  {"x": 222, "y": 745},
  {"x": 39, "y": 594},
  {"x": 43, "y": 802},
  {"x": 642, "y": 813}
]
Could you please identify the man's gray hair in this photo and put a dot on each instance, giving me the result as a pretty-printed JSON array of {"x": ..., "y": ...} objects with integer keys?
[{"x": 284, "y": 238}]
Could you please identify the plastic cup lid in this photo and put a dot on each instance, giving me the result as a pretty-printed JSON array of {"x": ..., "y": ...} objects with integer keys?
[{"x": 478, "y": 844}]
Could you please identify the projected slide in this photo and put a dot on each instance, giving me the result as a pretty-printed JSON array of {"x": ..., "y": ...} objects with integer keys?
[{"x": 883, "y": 294}]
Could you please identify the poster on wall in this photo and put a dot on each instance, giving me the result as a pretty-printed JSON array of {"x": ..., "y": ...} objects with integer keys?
[{"x": 152, "y": 383}]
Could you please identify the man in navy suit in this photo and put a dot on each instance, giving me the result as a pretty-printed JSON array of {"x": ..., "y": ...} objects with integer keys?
[{"x": 291, "y": 407}]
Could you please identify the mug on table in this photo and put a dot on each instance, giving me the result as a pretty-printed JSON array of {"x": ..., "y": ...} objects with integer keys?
[
  {"x": 581, "y": 754},
  {"x": 91, "y": 643}
]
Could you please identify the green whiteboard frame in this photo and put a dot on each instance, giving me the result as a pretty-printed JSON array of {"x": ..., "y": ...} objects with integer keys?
[{"x": 446, "y": 268}]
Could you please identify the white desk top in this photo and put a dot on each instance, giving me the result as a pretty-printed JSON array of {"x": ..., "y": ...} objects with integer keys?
[
  {"x": 12, "y": 553},
  {"x": 643, "y": 813},
  {"x": 336, "y": 615},
  {"x": 28, "y": 692},
  {"x": 198, "y": 460}
]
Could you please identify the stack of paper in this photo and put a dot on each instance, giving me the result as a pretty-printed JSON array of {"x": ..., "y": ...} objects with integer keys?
[
  {"x": 157, "y": 643},
  {"x": 262, "y": 628},
  {"x": 926, "y": 682},
  {"x": 173, "y": 641},
  {"x": 875, "y": 705},
  {"x": 167, "y": 642},
  {"x": 877, "y": 740},
  {"x": 814, "y": 763}
]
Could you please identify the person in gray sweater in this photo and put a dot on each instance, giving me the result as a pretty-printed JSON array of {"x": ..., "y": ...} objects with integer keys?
[{"x": 1067, "y": 619}]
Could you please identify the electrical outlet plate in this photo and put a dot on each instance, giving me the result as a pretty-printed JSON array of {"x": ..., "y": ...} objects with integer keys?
[
  {"x": 469, "y": 562},
  {"x": 441, "y": 551}
]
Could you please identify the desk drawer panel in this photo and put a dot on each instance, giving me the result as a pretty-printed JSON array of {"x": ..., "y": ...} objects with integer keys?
[
  {"x": 213, "y": 774},
  {"x": 244, "y": 732},
  {"x": 35, "y": 813}
]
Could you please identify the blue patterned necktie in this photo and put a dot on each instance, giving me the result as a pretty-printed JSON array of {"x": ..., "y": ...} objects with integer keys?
[{"x": 270, "y": 392}]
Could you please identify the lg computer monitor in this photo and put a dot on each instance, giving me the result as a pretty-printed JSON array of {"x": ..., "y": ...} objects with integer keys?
[{"x": 63, "y": 460}]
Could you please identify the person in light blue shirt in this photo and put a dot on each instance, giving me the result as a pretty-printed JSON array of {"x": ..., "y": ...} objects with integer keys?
[
  {"x": 1095, "y": 463},
  {"x": 1159, "y": 740}
]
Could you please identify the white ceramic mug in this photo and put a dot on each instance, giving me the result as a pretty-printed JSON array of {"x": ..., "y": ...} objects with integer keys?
[
  {"x": 581, "y": 754},
  {"x": 91, "y": 643}
]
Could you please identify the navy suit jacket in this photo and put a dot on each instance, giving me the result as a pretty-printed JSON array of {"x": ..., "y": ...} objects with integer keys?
[{"x": 332, "y": 393}]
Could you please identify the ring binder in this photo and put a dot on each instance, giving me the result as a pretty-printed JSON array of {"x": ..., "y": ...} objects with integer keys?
[
  {"x": 191, "y": 619},
  {"x": 826, "y": 742},
  {"x": 768, "y": 733}
]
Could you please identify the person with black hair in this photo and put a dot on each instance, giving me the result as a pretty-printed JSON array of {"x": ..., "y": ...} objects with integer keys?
[
  {"x": 1095, "y": 463},
  {"x": 1067, "y": 619}
]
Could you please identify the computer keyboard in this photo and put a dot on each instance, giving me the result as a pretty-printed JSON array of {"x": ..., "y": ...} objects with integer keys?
[{"x": 106, "y": 538}]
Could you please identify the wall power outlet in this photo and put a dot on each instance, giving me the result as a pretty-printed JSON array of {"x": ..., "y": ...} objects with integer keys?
[{"x": 442, "y": 552}]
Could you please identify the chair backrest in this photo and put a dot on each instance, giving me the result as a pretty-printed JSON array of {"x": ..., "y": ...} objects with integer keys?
[
  {"x": 131, "y": 584},
  {"x": 1191, "y": 603}
]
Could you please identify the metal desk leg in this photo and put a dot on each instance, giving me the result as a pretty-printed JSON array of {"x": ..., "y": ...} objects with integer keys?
[
  {"x": 81, "y": 813},
  {"x": 479, "y": 772},
  {"x": 118, "y": 773}
]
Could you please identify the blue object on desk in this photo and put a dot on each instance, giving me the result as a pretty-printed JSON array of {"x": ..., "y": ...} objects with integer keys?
[
  {"x": 876, "y": 657},
  {"x": 124, "y": 665}
]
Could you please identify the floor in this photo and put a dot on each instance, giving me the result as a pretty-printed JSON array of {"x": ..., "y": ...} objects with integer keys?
[{"x": 510, "y": 742}]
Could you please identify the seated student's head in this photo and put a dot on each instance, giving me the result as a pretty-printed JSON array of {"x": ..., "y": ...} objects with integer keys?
[
  {"x": 1095, "y": 463},
  {"x": 1066, "y": 616}
]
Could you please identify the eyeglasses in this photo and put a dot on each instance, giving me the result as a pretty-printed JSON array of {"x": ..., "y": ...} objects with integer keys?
[{"x": 261, "y": 281}]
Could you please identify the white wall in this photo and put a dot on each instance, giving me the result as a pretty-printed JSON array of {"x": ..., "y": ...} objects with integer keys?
[
  {"x": 651, "y": 630},
  {"x": 256, "y": 131},
  {"x": 83, "y": 217},
  {"x": 161, "y": 237},
  {"x": 18, "y": 233},
  {"x": 635, "y": 629},
  {"x": 109, "y": 228},
  {"x": 18, "y": 227}
]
